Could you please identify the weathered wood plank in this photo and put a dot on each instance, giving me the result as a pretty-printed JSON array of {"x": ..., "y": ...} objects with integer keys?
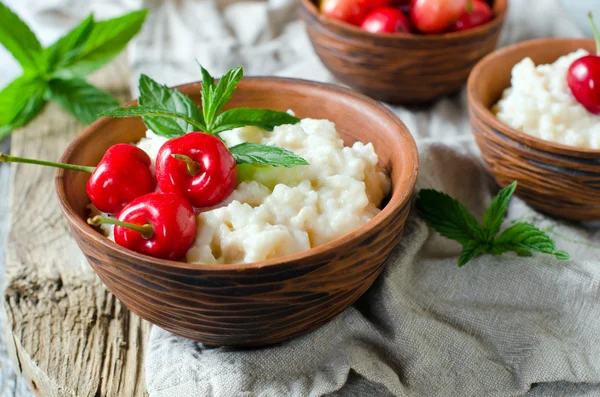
[{"x": 67, "y": 334}]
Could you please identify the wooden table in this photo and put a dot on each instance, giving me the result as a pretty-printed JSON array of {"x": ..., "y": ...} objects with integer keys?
[{"x": 66, "y": 333}]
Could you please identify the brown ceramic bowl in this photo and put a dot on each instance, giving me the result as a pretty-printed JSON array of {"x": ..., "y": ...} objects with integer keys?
[
  {"x": 255, "y": 303},
  {"x": 563, "y": 181},
  {"x": 400, "y": 68}
]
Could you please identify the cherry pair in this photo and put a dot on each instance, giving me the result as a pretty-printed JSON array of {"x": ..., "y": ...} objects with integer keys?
[{"x": 196, "y": 168}]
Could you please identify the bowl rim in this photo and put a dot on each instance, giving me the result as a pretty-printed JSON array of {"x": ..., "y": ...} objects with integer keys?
[
  {"x": 403, "y": 198},
  {"x": 310, "y": 6},
  {"x": 491, "y": 119}
]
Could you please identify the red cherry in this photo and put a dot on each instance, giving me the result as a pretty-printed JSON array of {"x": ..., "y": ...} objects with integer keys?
[
  {"x": 479, "y": 14},
  {"x": 351, "y": 11},
  {"x": 583, "y": 77},
  {"x": 122, "y": 175},
  {"x": 375, "y": 4},
  {"x": 386, "y": 20},
  {"x": 162, "y": 225},
  {"x": 436, "y": 16},
  {"x": 198, "y": 167}
]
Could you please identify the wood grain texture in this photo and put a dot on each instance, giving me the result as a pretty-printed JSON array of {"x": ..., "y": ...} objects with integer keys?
[
  {"x": 400, "y": 68},
  {"x": 560, "y": 180},
  {"x": 67, "y": 334},
  {"x": 265, "y": 302}
]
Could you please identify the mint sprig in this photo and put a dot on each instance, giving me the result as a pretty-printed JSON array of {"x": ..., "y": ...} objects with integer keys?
[
  {"x": 169, "y": 113},
  {"x": 57, "y": 73},
  {"x": 452, "y": 219}
]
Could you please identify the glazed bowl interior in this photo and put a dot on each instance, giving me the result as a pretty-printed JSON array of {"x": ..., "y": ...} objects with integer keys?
[
  {"x": 357, "y": 118},
  {"x": 492, "y": 76}
]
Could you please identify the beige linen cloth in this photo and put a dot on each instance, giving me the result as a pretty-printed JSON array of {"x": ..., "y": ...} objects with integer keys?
[{"x": 500, "y": 326}]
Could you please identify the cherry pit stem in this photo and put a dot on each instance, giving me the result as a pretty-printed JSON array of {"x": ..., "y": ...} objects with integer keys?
[
  {"x": 193, "y": 168},
  {"x": 146, "y": 230},
  {"x": 470, "y": 6},
  {"x": 5, "y": 158},
  {"x": 596, "y": 34}
]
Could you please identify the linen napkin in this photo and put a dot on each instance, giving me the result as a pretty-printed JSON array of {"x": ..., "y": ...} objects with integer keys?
[{"x": 501, "y": 326}]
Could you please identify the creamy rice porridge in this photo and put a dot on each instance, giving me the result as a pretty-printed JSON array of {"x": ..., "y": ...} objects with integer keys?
[
  {"x": 281, "y": 211},
  {"x": 539, "y": 103}
]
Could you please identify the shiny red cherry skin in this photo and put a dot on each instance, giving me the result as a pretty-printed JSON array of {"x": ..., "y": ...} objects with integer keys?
[
  {"x": 386, "y": 20},
  {"x": 122, "y": 175},
  {"x": 479, "y": 15},
  {"x": 436, "y": 16},
  {"x": 173, "y": 225},
  {"x": 216, "y": 174},
  {"x": 583, "y": 79},
  {"x": 350, "y": 11}
]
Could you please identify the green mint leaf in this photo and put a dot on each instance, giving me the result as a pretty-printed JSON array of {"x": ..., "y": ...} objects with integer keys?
[
  {"x": 241, "y": 117},
  {"x": 81, "y": 99},
  {"x": 19, "y": 40},
  {"x": 448, "y": 217},
  {"x": 470, "y": 250},
  {"x": 225, "y": 89},
  {"x": 214, "y": 97},
  {"x": 253, "y": 153},
  {"x": 69, "y": 46},
  {"x": 524, "y": 237},
  {"x": 106, "y": 40},
  {"x": 562, "y": 255},
  {"x": 208, "y": 93},
  {"x": 495, "y": 213},
  {"x": 20, "y": 102},
  {"x": 157, "y": 96},
  {"x": 143, "y": 111}
]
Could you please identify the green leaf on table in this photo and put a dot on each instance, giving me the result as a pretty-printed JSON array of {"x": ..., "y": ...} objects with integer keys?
[
  {"x": 242, "y": 117},
  {"x": 495, "y": 213},
  {"x": 448, "y": 216},
  {"x": 524, "y": 237},
  {"x": 105, "y": 41},
  {"x": 253, "y": 153},
  {"x": 81, "y": 99},
  {"x": 20, "y": 102},
  {"x": 157, "y": 96},
  {"x": 69, "y": 46},
  {"x": 470, "y": 250},
  {"x": 143, "y": 111},
  {"x": 19, "y": 40}
]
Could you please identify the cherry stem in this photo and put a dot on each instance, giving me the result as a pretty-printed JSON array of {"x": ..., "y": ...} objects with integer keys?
[
  {"x": 596, "y": 34},
  {"x": 146, "y": 230},
  {"x": 470, "y": 6},
  {"x": 5, "y": 158},
  {"x": 193, "y": 168}
]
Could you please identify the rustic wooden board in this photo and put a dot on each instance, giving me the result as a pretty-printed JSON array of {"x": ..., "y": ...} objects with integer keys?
[{"x": 67, "y": 334}]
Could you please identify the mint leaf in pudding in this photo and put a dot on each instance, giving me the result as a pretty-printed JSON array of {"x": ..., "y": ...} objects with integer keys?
[
  {"x": 241, "y": 117},
  {"x": 157, "y": 96},
  {"x": 19, "y": 40},
  {"x": 143, "y": 111},
  {"x": 253, "y": 153},
  {"x": 215, "y": 96},
  {"x": 451, "y": 219},
  {"x": 169, "y": 113},
  {"x": 80, "y": 98}
]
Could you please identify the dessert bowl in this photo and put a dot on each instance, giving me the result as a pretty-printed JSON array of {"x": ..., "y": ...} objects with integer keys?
[
  {"x": 561, "y": 180},
  {"x": 261, "y": 303},
  {"x": 400, "y": 68}
]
